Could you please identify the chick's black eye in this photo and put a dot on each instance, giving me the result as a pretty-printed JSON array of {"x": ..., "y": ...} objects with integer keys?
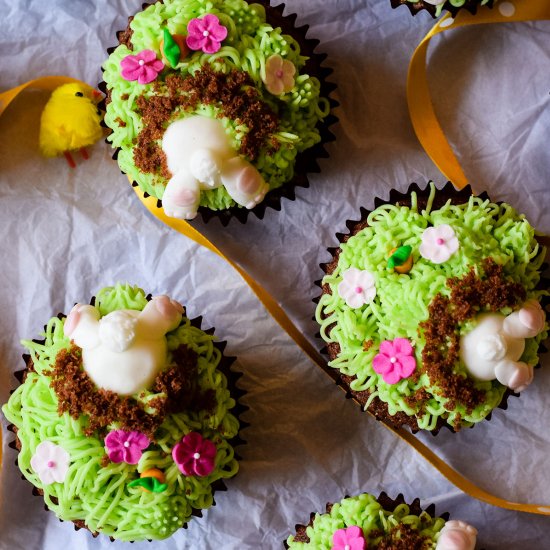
[{"x": 79, "y": 94}]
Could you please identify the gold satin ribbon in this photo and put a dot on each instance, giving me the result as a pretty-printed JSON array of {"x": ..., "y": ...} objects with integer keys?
[
  {"x": 277, "y": 312},
  {"x": 421, "y": 109}
]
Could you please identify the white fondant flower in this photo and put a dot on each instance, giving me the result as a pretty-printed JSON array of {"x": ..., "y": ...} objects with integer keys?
[
  {"x": 438, "y": 243},
  {"x": 50, "y": 462},
  {"x": 279, "y": 75},
  {"x": 357, "y": 287}
]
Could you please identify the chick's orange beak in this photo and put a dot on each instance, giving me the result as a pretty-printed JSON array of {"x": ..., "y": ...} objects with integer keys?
[{"x": 97, "y": 95}]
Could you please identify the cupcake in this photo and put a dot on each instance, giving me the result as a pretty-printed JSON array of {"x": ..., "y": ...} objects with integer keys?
[
  {"x": 364, "y": 521},
  {"x": 216, "y": 106},
  {"x": 124, "y": 419},
  {"x": 431, "y": 308},
  {"x": 435, "y": 7}
]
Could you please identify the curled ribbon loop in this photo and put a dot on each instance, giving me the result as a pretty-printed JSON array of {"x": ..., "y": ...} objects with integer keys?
[{"x": 423, "y": 118}]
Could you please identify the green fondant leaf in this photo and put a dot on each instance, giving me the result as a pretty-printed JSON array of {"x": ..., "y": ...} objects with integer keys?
[
  {"x": 400, "y": 256},
  {"x": 172, "y": 51},
  {"x": 152, "y": 484}
]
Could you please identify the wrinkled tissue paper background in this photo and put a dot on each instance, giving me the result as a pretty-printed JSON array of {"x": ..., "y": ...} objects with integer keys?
[{"x": 66, "y": 233}]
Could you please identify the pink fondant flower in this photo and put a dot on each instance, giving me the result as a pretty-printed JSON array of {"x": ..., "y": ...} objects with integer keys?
[
  {"x": 143, "y": 67},
  {"x": 205, "y": 34},
  {"x": 126, "y": 446},
  {"x": 357, "y": 287},
  {"x": 395, "y": 360},
  {"x": 279, "y": 75},
  {"x": 438, "y": 243},
  {"x": 350, "y": 538},
  {"x": 194, "y": 455},
  {"x": 50, "y": 462}
]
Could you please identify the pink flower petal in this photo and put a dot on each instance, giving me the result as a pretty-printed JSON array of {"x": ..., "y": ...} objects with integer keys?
[
  {"x": 386, "y": 347},
  {"x": 402, "y": 346},
  {"x": 391, "y": 377},
  {"x": 210, "y": 45},
  {"x": 381, "y": 364},
  {"x": 146, "y": 55},
  {"x": 196, "y": 27},
  {"x": 407, "y": 366},
  {"x": 339, "y": 538},
  {"x": 147, "y": 75},
  {"x": 129, "y": 62},
  {"x": 194, "y": 42},
  {"x": 131, "y": 74},
  {"x": 204, "y": 466},
  {"x": 354, "y": 532},
  {"x": 217, "y": 31}
]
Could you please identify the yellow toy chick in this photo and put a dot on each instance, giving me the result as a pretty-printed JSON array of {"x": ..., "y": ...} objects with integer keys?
[{"x": 70, "y": 121}]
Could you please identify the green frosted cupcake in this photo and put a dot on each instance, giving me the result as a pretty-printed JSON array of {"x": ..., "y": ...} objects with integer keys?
[
  {"x": 216, "y": 106},
  {"x": 431, "y": 308},
  {"x": 436, "y": 7},
  {"x": 124, "y": 419},
  {"x": 366, "y": 522}
]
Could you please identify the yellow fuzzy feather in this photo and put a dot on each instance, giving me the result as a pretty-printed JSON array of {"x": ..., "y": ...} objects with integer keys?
[{"x": 69, "y": 121}]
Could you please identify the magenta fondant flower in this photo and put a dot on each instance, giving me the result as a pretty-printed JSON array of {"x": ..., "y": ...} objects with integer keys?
[
  {"x": 357, "y": 287},
  {"x": 438, "y": 243},
  {"x": 205, "y": 34},
  {"x": 50, "y": 462},
  {"x": 279, "y": 75},
  {"x": 143, "y": 67},
  {"x": 126, "y": 446},
  {"x": 395, "y": 360},
  {"x": 194, "y": 455},
  {"x": 350, "y": 538}
]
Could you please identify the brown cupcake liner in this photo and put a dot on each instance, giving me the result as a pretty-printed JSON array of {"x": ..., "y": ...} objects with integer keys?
[
  {"x": 414, "y": 8},
  {"x": 384, "y": 500},
  {"x": 378, "y": 408},
  {"x": 307, "y": 161},
  {"x": 226, "y": 366}
]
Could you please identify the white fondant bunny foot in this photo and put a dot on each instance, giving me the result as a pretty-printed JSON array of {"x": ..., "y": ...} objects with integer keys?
[
  {"x": 457, "y": 535},
  {"x": 160, "y": 315},
  {"x": 182, "y": 196},
  {"x": 205, "y": 164},
  {"x": 528, "y": 322},
  {"x": 81, "y": 326},
  {"x": 517, "y": 375},
  {"x": 243, "y": 182}
]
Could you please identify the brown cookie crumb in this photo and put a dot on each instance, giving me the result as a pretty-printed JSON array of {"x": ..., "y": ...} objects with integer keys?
[
  {"x": 78, "y": 395},
  {"x": 403, "y": 537},
  {"x": 233, "y": 93},
  {"x": 489, "y": 291}
]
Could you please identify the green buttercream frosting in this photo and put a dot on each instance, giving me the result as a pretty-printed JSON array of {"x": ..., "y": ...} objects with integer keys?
[
  {"x": 455, "y": 3},
  {"x": 100, "y": 492},
  {"x": 251, "y": 40},
  {"x": 365, "y": 512},
  {"x": 484, "y": 230}
]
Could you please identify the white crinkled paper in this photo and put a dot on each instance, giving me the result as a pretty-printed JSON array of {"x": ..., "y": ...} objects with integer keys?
[{"x": 67, "y": 233}]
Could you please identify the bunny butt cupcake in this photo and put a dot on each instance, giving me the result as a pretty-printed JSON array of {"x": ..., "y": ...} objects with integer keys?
[
  {"x": 216, "y": 106},
  {"x": 124, "y": 421},
  {"x": 436, "y": 7},
  {"x": 431, "y": 308},
  {"x": 366, "y": 522}
]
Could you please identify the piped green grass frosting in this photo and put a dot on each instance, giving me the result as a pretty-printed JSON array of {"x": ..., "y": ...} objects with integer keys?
[
  {"x": 376, "y": 523},
  {"x": 97, "y": 491},
  {"x": 446, "y": 4},
  {"x": 484, "y": 230},
  {"x": 251, "y": 40}
]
